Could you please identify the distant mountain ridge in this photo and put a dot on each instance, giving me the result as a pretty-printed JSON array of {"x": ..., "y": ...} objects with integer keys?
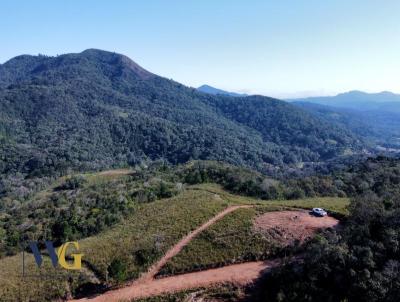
[
  {"x": 374, "y": 116},
  {"x": 215, "y": 91},
  {"x": 98, "y": 109},
  {"x": 358, "y": 100}
]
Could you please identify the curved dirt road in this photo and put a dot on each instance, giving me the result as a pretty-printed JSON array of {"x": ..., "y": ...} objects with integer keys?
[
  {"x": 240, "y": 274},
  {"x": 179, "y": 246},
  {"x": 146, "y": 285}
]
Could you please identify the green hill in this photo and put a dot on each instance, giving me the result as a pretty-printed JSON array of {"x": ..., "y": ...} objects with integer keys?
[{"x": 99, "y": 109}]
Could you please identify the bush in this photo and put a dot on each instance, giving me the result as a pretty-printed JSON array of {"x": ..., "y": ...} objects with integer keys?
[
  {"x": 117, "y": 270},
  {"x": 73, "y": 183}
]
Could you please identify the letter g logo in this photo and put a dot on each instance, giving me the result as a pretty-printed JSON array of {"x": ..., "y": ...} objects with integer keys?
[{"x": 77, "y": 257}]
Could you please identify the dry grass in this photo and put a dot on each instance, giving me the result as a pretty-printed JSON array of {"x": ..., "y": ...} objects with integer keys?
[
  {"x": 153, "y": 228},
  {"x": 233, "y": 238},
  {"x": 138, "y": 241},
  {"x": 150, "y": 231}
]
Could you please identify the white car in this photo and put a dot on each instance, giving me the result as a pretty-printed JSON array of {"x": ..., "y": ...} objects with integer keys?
[{"x": 318, "y": 212}]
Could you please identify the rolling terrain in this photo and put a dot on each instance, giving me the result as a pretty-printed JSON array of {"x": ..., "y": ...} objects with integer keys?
[
  {"x": 373, "y": 116},
  {"x": 134, "y": 245},
  {"x": 97, "y": 109},
  {"x": 190, "y": 227},
  {"x": 243, "y": 274},
  {"x": 163, "y": 184}
]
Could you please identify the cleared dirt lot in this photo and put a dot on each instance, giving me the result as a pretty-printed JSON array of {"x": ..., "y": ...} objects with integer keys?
[{"x": 289, "y": 226}]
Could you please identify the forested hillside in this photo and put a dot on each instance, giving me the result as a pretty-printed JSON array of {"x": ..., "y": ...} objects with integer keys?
[
  {"x": 99, "y": 109},
  {"x": 361, "y": 260},
  {"x": 377, "y": 126}
]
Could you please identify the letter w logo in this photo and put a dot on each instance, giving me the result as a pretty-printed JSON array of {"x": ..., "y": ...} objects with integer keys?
[{"x": 59, "y": 257}]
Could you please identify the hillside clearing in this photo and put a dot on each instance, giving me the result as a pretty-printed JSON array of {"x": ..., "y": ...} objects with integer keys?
[
  {"x": 244, "y": 273},
  {"x": 289, "y": 226},
  {"x": 138, "y": 242}
]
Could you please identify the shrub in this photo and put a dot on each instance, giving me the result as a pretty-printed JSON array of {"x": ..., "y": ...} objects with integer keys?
[
  {"x": 72, "y": 183},
  {"x": 117, "y": 270}
]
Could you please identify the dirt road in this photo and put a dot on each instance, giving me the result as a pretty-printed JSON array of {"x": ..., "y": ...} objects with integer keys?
[
  {"x": 179, "y": 246},
  {"x": 149, "y": 286},
  {"x": 296, "y": 222},
  {"x": 241, "y": 274}
]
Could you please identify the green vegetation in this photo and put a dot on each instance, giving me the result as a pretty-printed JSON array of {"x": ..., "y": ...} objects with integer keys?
[
  {"x": 63, "y": 116},
  {"x": 135, "y": 243},
  {"x": 334, "y": 205},
  {"x": 122, "y": 252},
  {"x": 44, "y": 284},
  {"x": 117, "y": 270},
  {"x": 97, "y": 109},
  {"x": 230, "y": 240},
  {"x": 78, "y": 206},
  {"x": 82, "y": 205},
  {"x": 233, "y": 239},
  {"x": 359, "y": 262},
  {"x": 377, "y": 120},
  {"x": 149, "y": 232}
]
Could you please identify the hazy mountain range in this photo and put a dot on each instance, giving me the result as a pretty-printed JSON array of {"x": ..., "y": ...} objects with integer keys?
[
  {"x": 383, "y": 101},
  {"x": 373, "y": 116},
  {"x": 216, "y": 91}
]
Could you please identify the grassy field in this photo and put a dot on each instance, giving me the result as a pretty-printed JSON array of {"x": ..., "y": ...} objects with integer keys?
[
  {"x": 332, "y": 204},
  {"x": 232, "y": 239},
  {"x": 44, "y": 284},
  {"x": 150, "y": 231},
  {"x": 136, "y": 242},
  {"x": 125, "y": 250}
]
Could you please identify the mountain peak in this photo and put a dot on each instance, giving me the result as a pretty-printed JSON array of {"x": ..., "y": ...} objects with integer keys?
[
  {"x": 24, "y": 68},
  {"x": 116, "y": 58}
]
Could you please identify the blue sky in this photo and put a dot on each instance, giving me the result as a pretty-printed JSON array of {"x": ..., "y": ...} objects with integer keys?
[{"x": 280, "y": 48}]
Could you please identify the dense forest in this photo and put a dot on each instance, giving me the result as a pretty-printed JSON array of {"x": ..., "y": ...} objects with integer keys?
[
  {"x": 97, "y": 109},
  {"x": 82, "y": 205},
  {"x": 378, "y": 126},
  {"x": 359, "y": 261}
]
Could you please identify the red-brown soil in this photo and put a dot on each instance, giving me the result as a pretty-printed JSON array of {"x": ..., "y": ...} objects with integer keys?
[{"x": 288, "y": 226}]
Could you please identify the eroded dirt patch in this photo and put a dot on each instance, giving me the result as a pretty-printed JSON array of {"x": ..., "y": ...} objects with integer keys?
[{"x": 288, "y": 226}]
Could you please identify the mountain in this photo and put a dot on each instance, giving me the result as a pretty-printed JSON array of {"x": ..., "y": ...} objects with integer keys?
[
  {"x": 212, "y": 90},
  {"x": 100, "y": 109},
  {"x": 383, "y": 101},
  {"x": 375, "y": 117}
]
